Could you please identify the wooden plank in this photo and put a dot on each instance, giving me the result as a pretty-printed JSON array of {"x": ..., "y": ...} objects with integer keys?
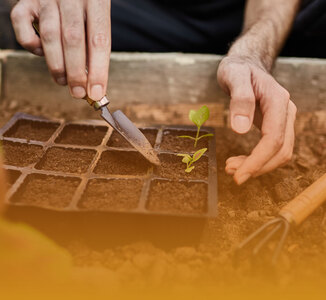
[{"x": 171, "y": 78}]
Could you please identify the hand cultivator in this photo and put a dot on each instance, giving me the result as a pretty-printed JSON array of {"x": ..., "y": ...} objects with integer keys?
[{"x": 291, "y": 215}]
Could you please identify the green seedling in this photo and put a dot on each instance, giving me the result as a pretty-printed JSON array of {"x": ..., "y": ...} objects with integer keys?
[
  {"x": 198, "y": 117},
  {"x": 187, "y": 159}
]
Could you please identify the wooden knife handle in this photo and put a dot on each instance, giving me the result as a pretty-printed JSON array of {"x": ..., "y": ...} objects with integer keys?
[{"x": 302, "y": 206}]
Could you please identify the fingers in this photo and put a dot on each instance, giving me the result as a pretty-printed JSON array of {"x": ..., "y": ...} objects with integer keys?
[
  {"x": 274, "y": 108},
  {"x": 51, "y": 40},
  {"x": 22, "y": 16},
  {"x": 74, "y": 48},
  {"x": 99, "y": 40},
  {"x": 236, "y": 79},
  {"x": 284, "y": 155},
  {"x": 234, "y": 163}
]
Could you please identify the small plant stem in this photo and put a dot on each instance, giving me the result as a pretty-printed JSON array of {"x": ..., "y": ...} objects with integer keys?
[{"x": 197, "y": 135}]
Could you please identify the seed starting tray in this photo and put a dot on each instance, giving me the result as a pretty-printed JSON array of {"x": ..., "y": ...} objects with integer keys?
[{"x": 78, "y": 157}]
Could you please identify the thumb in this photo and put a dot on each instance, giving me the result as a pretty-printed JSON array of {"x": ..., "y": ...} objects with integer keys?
[{"x": 242, "y": 105}]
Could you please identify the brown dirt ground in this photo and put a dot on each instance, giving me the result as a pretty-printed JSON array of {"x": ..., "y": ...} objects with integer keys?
[
  {"x": 172, "y": 167},
  {"x": 175, "y": 194},
  {"x": 32, "y": 130},
  {"x": 47, "y": 191},
  {"x": 241, "y": 210},
  {"x": 20, "y": 154},
  {"x": 171, "y": 141},
  {"x": 66, "y": 160},
  {"x": 81, "y": 135},
  {"x": 114, "y": 194},
  {"x": 122, "y": 163}
]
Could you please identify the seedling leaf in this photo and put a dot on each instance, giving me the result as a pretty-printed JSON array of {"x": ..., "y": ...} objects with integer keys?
[
  {"x": 186, "y": 158},
  {"x": 205, "y": 135},
  {"x": 200, "y": 116},
  {"x": 198, "y": 154},
  {"x": 187, "y": 137},
  {"x": 188, "y": 170}
]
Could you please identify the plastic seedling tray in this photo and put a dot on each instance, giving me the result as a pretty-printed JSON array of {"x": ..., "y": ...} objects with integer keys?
[{"x": 82, "y": 180}]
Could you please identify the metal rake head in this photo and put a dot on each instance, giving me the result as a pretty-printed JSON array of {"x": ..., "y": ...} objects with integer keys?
[{"x": 278, "y": 227}]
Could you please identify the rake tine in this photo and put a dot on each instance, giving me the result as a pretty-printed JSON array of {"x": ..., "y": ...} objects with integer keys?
[
  {"x": 281, "y": 242},
  {"x": 256, "y": 233},
  {"x": 266, "y": 238}
]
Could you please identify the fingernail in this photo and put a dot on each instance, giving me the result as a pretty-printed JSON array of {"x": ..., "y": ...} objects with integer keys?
[
  {"x": 96, "y": 92},
  {"x": 38, "y": 51},
  {"x": 241, "y": 123},
  {"x": 62, "y": 80},
  {"x": 78, "y": 92},
  {"x": 242, "y": 178}
]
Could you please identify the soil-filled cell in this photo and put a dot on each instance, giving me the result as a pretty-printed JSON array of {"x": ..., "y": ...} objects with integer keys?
[
  {"x": 82, "y": 135},
  {"x": 177, "y": 197},
  {"x": 115, "y": 194},
  {"x": 116, "y": 140},
  {"x": 122, "y": 163},
  {"x": 12, "y": 176},
  {"x": 21, "y": 155},
  {"x": 32, "y": 130},
  {"x": 172, "y": 142},
  {"x": 172, "y": 167},
  {"x": 46, "y": 191},
  {"x": 66, "y": 160}
]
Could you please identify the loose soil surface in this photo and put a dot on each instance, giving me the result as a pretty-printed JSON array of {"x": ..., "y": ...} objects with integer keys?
[
  {"x": 241, "y": 211},
  {"x": 32, "y": 130},
  {"x": 66, "y": 160},
  {"x": 116, "y": 194},
  {"x": 12, "y": 176},
  {"x": 116, "y": 140},
  {"x": 122, "y": 163},
  {"x": 81, "y": 135},
  {"x": 46, "y": 191},
  {"x": 172, "y": 142},
  {"x": 21, "y": 155},
  {"x": 179, "y": 197},
  {"x": 172, "y": 167}
]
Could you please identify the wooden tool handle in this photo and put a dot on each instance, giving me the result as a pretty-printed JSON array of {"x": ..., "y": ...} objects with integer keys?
[{"x": 304, "y": 204}]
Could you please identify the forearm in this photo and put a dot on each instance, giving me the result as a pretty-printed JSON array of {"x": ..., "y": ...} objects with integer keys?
[{"x": 266, "y": 26}]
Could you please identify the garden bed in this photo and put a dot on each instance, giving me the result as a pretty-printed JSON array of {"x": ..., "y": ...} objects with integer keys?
[{"x": 184, "y": 82}]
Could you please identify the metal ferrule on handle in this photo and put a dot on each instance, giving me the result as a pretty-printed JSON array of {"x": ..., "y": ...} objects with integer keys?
[
  {"x": 296, "y": 211},
  {"x": 97, "y": 104}
]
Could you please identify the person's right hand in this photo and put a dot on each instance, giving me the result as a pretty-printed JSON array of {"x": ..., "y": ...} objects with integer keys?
[{"x": 74, "y": 34}]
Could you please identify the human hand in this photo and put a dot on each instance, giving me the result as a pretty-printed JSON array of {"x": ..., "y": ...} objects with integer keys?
[
  {"x": 257, "y": 98},
  {"x": 73, "y": 34}
]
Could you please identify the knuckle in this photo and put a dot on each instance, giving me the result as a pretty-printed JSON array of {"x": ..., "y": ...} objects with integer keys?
[
  {"x": 57, "y": 71},
  {"x": 25, "y": 42},
  {"x": 49, "y": 33},
  {"x": 77, "y": 78},
  {"x": 242, "y": 97},
  {"x": 285, "y": 94},
  {"x": 100, "y": 40},
  {"x": 72, "y": 36},
  {"x": 17, "y": 13}
]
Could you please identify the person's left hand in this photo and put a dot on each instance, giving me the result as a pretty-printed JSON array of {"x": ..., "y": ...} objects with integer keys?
[{"x": 257, "y": 98}]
